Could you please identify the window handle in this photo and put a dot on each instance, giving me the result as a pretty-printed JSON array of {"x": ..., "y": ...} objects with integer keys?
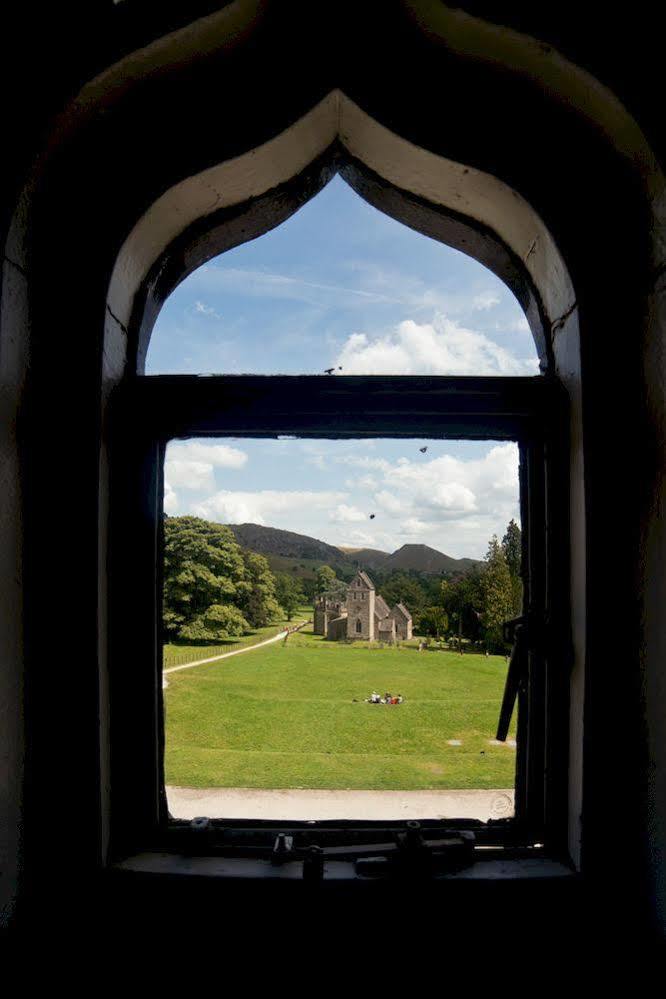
[{"x": 516, "y": 631}]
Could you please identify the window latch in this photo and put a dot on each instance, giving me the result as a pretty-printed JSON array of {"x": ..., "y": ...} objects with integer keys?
[
  {"x": 414, "y": 855},
  {"x": 515, "y": 631},
  {"x": 283, "y": 849}
]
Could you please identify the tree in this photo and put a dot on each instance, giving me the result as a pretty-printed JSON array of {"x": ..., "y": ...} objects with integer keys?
[
  {"x": 512, "y": 547},
  {"x": 203, "y": 566},
  {"x": 219, "y": 621},
  {"x": 498, "y": 596},
  {"x": 213, "y": 588},
  {"x": 289, "y": 593},
  {"x": 462, "y": 598},
  {"x": 326, "y": 579},
  {"x": 309, "y": 585},
  {"x": 399, "y": 588},
  {"x": 433, "y": 621},
  {"x": 257, "y": 597}
]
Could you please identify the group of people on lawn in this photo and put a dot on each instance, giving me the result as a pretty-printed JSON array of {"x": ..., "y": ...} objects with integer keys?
[{"x": 386, "y": 699}]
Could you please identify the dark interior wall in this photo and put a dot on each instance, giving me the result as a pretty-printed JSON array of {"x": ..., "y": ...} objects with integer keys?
[{"x": 87, "y": 178}]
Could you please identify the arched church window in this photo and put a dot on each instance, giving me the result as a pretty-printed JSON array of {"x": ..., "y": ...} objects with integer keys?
[
  {"x": 451, "y": 369},
  {"x": 341, "y": 287}
]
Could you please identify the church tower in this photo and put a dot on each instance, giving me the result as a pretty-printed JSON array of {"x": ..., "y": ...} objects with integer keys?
[{"x": 361, "y": 608}]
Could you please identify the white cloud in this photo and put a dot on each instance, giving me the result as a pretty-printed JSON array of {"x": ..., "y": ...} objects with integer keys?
[
  {"x": 219, "y": 455},
  {"x": 470, "y": 485},
  {"x": 267, "y": 506},
  {"x": 344, "y": 514},
  {"x": 195, "y": 475},
  {"x": 454, "y": 504},
  {"x": 191, "y": 464},
  {"x": 413, "y": 527},
  {"x": 520, "y": 325},
  {"x": 360, "y": 461},
  {"x": 485, "y": 301},
  {"x": 206, "y": 310},
  {"x": 364, "y": 482},
  {"x": 390, "y": 503},
  {"x": 170, "y": 499},
  {"x": 451, "y": 497},
  {"x": 441, "y": 347}
]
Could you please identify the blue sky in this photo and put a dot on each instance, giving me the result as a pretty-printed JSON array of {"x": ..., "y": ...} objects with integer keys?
[
  {"x": 453, "y": 497},
  {"x": 341, "y": 285}
]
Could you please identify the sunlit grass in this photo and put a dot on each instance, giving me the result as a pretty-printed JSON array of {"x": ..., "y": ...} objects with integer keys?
[
  {"x": 294, "y": 716},
  {"x": 185, "y": 652}
]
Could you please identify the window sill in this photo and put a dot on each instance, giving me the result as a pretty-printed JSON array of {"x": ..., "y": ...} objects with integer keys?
[{"x": 530, "y": 869}]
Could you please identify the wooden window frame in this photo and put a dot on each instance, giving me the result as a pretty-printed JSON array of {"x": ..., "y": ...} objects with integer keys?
[{"x": 150, "y": 411}]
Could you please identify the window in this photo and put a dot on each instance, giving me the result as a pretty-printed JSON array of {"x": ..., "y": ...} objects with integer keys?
[
  {"x": 157, "y": 409},
  {"x": 292, "y": 714},
  {"x": 161, "y": 408}
]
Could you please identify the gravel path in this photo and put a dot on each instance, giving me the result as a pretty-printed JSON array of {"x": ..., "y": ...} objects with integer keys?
[
  {"x": 251, "y": 803},
  {"x": 225, "y": 655}
]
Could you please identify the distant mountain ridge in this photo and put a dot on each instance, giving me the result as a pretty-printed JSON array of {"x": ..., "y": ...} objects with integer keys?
[
  {"x": 423, "y": 558},
  {"x": 369, "y": 558},
  {"x": 283, "y": 548},
  {"x": 274, "y": 541}
]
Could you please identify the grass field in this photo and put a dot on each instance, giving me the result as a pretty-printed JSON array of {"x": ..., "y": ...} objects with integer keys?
[
  {"x": 175, "y": 655},
  {"x": 294, "y": 716}
]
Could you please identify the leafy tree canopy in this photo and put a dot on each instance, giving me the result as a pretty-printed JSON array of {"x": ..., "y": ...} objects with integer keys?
[
  {"x": 463, "y": 601},
  {"x": 326, "y": 579},
  {"x": 400, "y": 588},
  {"x": 213, "y": 589},
  {"x": 512, "y": 547},
  {"x": 498, "y": 595},
  {"x": 433, "y": 621},
  {"x": 257, "y": 594},
  {"x": 289, "y": 593},
  {"x": 219, "y": 621}
]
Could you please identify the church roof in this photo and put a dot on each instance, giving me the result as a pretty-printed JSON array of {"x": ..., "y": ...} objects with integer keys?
[
  {"x": 403, "y": 610},
  {"x": 366, "y": 579},
  {"x": 381, "y": 607}
]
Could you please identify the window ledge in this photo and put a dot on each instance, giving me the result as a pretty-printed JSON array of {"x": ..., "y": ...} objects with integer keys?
[{"x": 179, "y": 865}]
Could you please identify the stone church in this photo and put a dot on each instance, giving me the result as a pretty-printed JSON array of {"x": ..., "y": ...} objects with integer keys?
[{"x": 363, "y": 614}]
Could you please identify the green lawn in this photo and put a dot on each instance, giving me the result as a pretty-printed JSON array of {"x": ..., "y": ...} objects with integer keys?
[
  {"x": 285, "y": 716},
  {"x": 175, "y": 655}
]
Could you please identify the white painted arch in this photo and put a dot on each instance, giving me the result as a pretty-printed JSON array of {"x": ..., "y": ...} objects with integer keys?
[{"x": 440, "y": 182}]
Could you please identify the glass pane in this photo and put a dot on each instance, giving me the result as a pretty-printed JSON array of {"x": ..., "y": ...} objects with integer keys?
[
  {"x": 342, "y": 287},
  {"x": 332, "y": 625}
]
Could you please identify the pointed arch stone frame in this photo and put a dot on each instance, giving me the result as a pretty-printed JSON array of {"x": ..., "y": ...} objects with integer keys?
[{"x": 530, "y": 410}]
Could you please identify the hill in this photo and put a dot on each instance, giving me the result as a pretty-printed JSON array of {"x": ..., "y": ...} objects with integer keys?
[
  {"x": 422, "y": 558},
  {"x": 289, "y": 552},
  {"x": 273, "y": 541},
  {"x": 368, "y": 558},
  {"x": 301, "y": 555}
]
